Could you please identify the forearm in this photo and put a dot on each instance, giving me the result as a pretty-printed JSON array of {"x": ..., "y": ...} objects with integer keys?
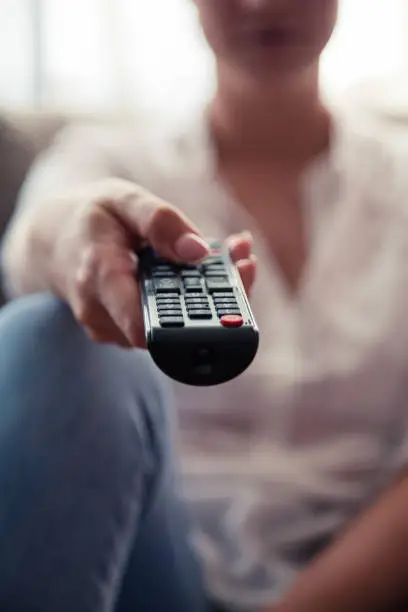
[
  {"x": 26, "y": 255},
  {"x": 75, "y": 159},
  {"x": 365, "y": 570}
]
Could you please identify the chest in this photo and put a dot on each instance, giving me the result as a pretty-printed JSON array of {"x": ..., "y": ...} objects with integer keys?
[
  {"x": 332, "y": 360},
  {"x": 340, "y": 239},
  {"x": 271, "y": 202}
]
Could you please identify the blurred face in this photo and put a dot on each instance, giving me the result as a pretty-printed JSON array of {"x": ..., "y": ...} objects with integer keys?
[{"x": 268, "y": 39}]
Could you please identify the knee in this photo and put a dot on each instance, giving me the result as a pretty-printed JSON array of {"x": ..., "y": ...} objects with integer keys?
[
  {"x": 82, "y": 444},
  {"x": 58, "y": 388}
]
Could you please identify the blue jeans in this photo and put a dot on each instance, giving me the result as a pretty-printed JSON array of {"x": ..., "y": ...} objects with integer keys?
[{"x": 90, "y": 517}]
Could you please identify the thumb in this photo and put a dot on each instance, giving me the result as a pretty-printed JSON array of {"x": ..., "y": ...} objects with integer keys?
[
  {"x": 172, "y": 235},
  {"x": 159, "y": 224}
]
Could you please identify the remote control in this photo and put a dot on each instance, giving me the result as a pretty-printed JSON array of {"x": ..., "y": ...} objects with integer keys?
[{"x": 199, "y": 326}]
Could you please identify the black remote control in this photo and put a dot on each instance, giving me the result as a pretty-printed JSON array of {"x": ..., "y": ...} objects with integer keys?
[{"x": 199, "y": 326}]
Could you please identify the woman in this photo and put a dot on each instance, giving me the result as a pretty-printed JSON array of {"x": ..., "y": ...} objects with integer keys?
[{"x": 293, "y": 474}]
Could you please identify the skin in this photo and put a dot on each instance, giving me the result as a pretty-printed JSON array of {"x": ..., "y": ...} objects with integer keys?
[
  {"x": 267, "y": 113},
  {"x": 79, "y": 247},
  {"x": 231, "y": 28},
  {"x": 365, "y": 570},
  {"x": 267, "y": 118}
]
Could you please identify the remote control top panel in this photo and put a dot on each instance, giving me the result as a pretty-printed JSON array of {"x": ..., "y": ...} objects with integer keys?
[{"x": 199, "y": 326}]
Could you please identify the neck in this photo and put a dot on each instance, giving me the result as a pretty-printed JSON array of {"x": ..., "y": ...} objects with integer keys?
[{"x": 287, "y": 122}]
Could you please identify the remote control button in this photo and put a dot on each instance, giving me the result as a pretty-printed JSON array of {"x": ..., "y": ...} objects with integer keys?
[
  {"x": 226, "y": 303},
  {"x": 192, "y": 283},
  {"x": 213, "y": 265},
  {"x": 172, "y": 307},
  {"x": 204, "y": 313},
  {"x": 215, "y": 285},
  {"x": 166, "y": 285},
  {"x": 191, "y": 296},
  {"x": 220, "y": 267},
  {"x": 165, "y": 301},
  {"x": 168, "y": 296},
  {"x": 170, "y": 312},
  {"x": 190, "y": 273},
  {"x": 165, "y": 307},
  {"x": 195, "y": 300},
  {"x": 214, "y": 243},
  {"x": 233, "y": 305},
  {"x": 198, "y": 307},
  {"x": 195, "y": 289},
  {"x": 200, "y": 314},
  {"x": 163, "y": 268},
  {"x": 172, "y": 321},
  {"x": 215, "y": 273},
  {"x": 218, "y": 279},
  {"x": 163, "y": 274},
  {"x": 228, "y": 311},
  {"x": 212, "y": 260},
  {"x": 231, "y": 320},
  {"x": 183, "y": 266},
  {"x": 164, "y": 311},
  {"x": 202, "y": 300},
  {"x": 168, "y": 303},
  {"x": 231, "y": 299}
]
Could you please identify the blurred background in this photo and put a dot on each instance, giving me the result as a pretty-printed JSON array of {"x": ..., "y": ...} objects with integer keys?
[
  {"x": 61, "y": 60},
  {"x": 109, "y": 55}
]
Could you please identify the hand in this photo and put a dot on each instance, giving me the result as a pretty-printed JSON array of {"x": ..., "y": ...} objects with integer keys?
[{"x": 95, "y": 262}]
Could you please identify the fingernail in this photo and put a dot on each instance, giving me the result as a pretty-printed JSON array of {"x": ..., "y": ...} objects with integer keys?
[
  {"x": 246, "y": 235},
  {"x": 191, "y": 247}
]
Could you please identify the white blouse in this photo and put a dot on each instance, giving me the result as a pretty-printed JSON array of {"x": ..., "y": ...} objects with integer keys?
[{"x": 276, "y": 461}]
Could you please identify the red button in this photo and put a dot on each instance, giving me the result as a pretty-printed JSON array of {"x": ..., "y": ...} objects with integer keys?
[{"x": 232, "y": 320}]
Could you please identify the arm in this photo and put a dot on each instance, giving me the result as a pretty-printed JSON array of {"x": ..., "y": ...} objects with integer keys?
[
  {"x": 77, "y": 157},
  {"x": 365, "y": 570},
  {"x": 77, "y": 228}
]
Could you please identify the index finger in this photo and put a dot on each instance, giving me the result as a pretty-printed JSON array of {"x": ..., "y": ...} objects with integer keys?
[
  {"x": 120, "y": 296},
  {"x": 160, "y": 224}
]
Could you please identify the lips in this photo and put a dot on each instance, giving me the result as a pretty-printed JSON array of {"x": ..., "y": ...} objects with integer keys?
[
  {"x": 272, "y": 37},
  {"x": 269, "y": 37}
]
